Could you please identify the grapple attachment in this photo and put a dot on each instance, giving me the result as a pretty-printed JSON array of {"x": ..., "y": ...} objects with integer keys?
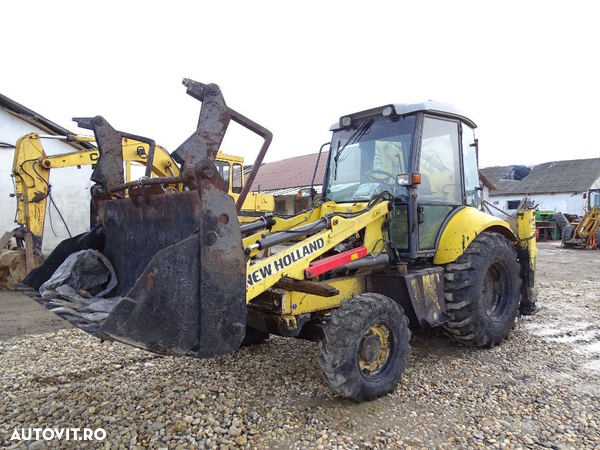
[{"x": 177, "y": 257}]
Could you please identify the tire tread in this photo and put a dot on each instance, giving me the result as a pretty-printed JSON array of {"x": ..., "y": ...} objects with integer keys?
[
  {"x": 462, "y": 296},
  {"x": 342, "y": 330}
]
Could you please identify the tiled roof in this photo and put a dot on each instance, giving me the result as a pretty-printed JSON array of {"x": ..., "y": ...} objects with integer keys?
[
  {"x": 576, "y": 175},
  {"x": 290, "y": 173},
  {"x": 39, "y": 121}
]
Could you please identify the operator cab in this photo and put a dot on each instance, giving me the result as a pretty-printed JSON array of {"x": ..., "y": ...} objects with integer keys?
[{"x": 424, "y": 155}]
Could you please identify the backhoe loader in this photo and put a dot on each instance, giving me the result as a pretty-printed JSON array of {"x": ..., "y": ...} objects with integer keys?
[{"x": 395, "y": 241}]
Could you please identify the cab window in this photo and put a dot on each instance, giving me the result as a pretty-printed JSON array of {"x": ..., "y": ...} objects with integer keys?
[
  {"x": 223, "y": 168},
  {"x": 472, "y": 189},
  {"x": 366, "y": 158},
  {"x": 440, "y": 190},
  {"x": 440, "y": 162},
  {"x": 236, "y": 181}
]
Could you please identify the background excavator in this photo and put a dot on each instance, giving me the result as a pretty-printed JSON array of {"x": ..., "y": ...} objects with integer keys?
[
  {"x": 395, "y": 241},
  {"x": 141, "y": 156}
]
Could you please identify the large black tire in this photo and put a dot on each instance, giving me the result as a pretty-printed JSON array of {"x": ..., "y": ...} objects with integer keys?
[
  {"x": 483, "y": 292},
  {"x": 365, "y": 346},
  {"x": 254, "y": 337},
  {"x": 560, "y": 220},
  {"x": 598, "y": 239},
  {"x": 567, "y": 234}
]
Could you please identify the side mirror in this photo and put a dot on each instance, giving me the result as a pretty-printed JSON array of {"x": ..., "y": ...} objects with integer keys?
[{"x": 408, "y": 179}]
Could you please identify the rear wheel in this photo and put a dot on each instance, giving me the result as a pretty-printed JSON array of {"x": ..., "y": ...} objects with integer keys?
[
  {"x": 567, "y": 234},
  {"x": 365, "y": 346},
  {"x": 483, "y": 292}
]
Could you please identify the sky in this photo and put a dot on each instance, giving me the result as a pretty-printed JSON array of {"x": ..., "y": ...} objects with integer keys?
[{"x": 526, "y": 73}]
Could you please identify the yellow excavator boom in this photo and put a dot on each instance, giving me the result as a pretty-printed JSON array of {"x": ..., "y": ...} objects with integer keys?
[{"x": 31, "y": 172}]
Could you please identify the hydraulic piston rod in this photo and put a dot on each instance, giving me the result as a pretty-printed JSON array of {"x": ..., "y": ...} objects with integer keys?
[
  {"x": 285, "y": 236},
  {"x": 367, "y": 261},
  {"x": 266, "y": 221}
]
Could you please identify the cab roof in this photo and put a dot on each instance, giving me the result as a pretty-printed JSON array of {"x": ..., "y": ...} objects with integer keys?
[{"x": 401, "y": 109}]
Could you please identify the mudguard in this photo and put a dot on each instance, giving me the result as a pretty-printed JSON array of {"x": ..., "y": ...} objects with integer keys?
[{"x": 462, "y": 228}]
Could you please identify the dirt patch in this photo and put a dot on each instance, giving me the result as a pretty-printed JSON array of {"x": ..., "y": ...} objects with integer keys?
[{"x": 19, "y": 315}]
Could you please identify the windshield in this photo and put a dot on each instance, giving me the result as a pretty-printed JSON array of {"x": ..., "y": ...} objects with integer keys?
[{"x": 365, "y": 158}]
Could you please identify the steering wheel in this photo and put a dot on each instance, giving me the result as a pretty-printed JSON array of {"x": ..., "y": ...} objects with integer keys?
[{"x": 370, "y": 176}]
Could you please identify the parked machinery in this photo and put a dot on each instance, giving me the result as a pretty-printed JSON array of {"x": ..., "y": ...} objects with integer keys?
[
  {"x": 584, "y": 233},
  {"x": 395, "y": 240}
]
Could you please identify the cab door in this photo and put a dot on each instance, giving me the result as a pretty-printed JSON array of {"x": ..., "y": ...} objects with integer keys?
[
  {"x": 470, "y": 167},
  {"x": 441, "y": 188}
]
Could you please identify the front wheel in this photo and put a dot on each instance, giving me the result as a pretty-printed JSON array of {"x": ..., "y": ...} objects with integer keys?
[
  {"x": 365, "y": 346},
  {"x": 483, "y": 292}
]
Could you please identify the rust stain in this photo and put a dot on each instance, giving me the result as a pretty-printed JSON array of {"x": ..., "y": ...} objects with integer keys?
[
  {"x": 38, "y": 196},
  {"x": 148, "y": 282}
]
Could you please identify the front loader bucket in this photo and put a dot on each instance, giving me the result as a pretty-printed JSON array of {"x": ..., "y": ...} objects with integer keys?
[
  {"x": 176, "y": 258},
  {"x": 180, "y": 268}
]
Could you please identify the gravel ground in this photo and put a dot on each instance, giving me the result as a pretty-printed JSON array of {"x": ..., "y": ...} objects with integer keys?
[{"x": 540, "y": 388}]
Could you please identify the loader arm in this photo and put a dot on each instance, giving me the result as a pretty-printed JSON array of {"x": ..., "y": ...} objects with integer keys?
[
  {"x": 294, "y": 260},
  {"x": 183, "y": 273}
]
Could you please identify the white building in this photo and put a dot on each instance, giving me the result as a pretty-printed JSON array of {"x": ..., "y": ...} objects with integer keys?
[
  {"x": 570, "y": 187},
  {"x": 70, "y": 186}
]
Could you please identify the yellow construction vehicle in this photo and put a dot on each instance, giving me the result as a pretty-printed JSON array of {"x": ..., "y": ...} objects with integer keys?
[
  {"x": 585, "y": 233},
  {"x": 395, "y": 240},
  {"x": 256, "y": 204}
]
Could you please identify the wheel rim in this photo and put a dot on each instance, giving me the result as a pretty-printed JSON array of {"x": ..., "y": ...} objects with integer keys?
[
  {"x": 495, "y": 291},
  {"x": 374, "y": 351}
]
